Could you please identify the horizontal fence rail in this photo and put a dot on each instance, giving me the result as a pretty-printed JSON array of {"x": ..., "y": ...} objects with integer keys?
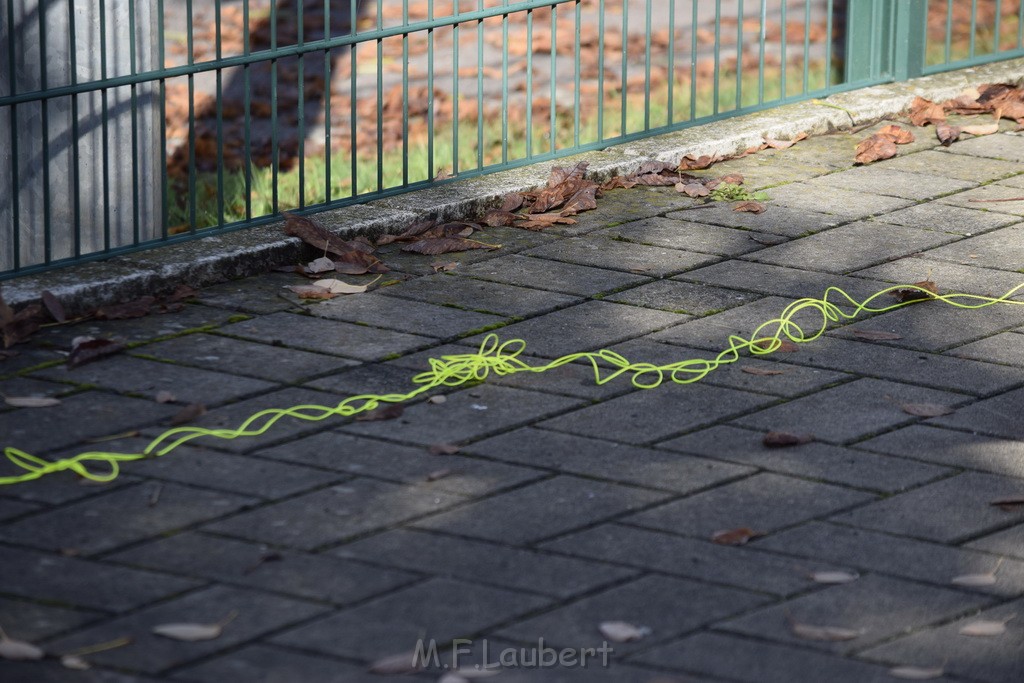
[{"x": 131, "y": 123}]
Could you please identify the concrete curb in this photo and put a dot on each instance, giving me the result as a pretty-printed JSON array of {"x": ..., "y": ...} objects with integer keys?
[{"x": 248, "y": 252}]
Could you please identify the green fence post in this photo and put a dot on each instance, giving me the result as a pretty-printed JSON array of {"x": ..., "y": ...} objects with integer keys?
[
  {"x": 864, "y": 30},
  {"x": 910, "y": 35}
]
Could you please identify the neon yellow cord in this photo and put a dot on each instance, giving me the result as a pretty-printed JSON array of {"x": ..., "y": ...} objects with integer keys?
[{"x": 502, "y": 358}]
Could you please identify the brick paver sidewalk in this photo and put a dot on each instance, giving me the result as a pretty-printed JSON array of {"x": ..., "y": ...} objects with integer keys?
[{"x": 568, "y": 504}]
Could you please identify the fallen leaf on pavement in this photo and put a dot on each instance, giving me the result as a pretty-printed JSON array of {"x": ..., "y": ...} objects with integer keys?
[
  {"x": 825, "y": 633},
  {"x": 404, "y": 663},
  {"x": 925, "y": 409},
  {"x": 444, "y": 267},
  {"x": 622, "y": 631},
  {"x": 986, "y": 628},
  {"x": 691, "y": 163},
  {"x": 310, "y": 292},
  {"x": 18, "y": 650},
  {"x": 761, "y": 371},
  {"x": 734, "y": 536},
  {"x": 437, "y": 400},
  {"x": 922, "y": 112},
  {"x": 876, "y": 335},
  {"x": 544, "y": 220},
  {"x": 749, "y": 207},
  {"x": 925, "y": 289},
  {"x": 916, "y": 673},
  {"x": 445, "y": 245},
  {"x": 983, "y": 579},
  {"x": 497, "y": 218},
  {"x": 388, "y": 412},
  {"x": 693, "y": 189},
  {"x": 901, "y": 136},
  {"x": 874, "y": 148},
  {"x": 947, "y": 134},
  {"x": 88, "y": 349},
  {"x": 194, "y": 632},
  {"x": 136, "y": 308},
  {"x": 74, "y": 662},
  {"x": 338, "y": 287},
  {"x": 785, "y": 144},
  {"x": 53, "y": 305},
  {"x": 439, "y": 474},
  {"x": 1008, "y": 504},
  {"x": 834, "y": 577},
  {"x": 784, "y": 439},
  {"x": 444, "y": 449},
  {"x": 187, "y": 414},
  {"x": 983, "y": 129},
  {"x": 31, "y": 401},
  {"x": 320, "y": 265}
]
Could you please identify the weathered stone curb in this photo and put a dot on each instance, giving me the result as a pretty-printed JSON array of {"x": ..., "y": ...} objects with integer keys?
[{"x": 247, "y": 252}]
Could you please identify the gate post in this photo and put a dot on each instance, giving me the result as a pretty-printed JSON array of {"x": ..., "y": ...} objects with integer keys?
[{"x": 910, "y": 37}]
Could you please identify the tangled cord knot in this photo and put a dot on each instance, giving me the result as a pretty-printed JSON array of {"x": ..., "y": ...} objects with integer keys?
[{"x": 503, "y": 358}]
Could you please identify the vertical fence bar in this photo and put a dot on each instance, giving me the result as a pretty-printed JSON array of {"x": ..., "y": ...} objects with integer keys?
[
  {"x": 455, "y": 90},
  {"x": 911, "y": 35},
  {"x": 761, "y": 40},
  {"x": 671, "y": 59},
  {"x": 430, "y": 92},
  {"x": 718, "y": 56},
  {"x": 949, "y": 30},
  {"x": 739, "y": 55},
  {"x": 380, "y": 97},
  {"x": 576, "y": 83},
  {"x": 353, "y": 112},
  {"x": 220, "y": 116},
  {"x": 76, "y": 185},
  {"x": 45, "y": 106},
  {"x": 997, "y": 40},
  {"x": 554, "y": 76},
  {"x": 247, "y": 114},
  {"x": 625, "y": 63},
  {"x": 301, "y": 104},
  {"x": 829, "y": 9},
  {"x": 328, "y": 64},
  {"x": 807, "y": 46},
  {"x": 480, "y": 89},
  {"x": 693, "y": 59},
  {"x": 274, "y": 147},
  {"x": 504, "y": 85},
  {"x": 405, "y": 95},
  {"x": 135, "y": 124},
  {"x": 974, "y": 26},
  {"x": 783, "y": 40},
  {"x": 106, "y": 127},
  {"x": 529, "y": 84},
  {"x": 647, "y": 66},
  {"x": 1020, "y": 25}
]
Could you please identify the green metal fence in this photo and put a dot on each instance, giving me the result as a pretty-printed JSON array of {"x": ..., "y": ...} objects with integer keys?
[{"x": 131, "y": 123}]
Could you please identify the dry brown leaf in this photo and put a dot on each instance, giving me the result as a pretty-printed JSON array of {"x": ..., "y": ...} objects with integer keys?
[
  {"x": 622, "y": 631},
  {"x": 544, "y": 220},
  {"x": 74, "y": 662},
  {"x": 916, "y": 673},
  {"x": 922, "y": 112},
  {"x": 31, "y": 401},
  {"x": 310, "y": 292},
  {"x": 693, "y": 189},
  {"x": 584, "y": 199},
  {"x": 898, "y": 134},
  {"x": 444, "y": 267},
  {"x": 18, "y": 650},
  {"x": 874, "y": 148},
  {"x": 6, "y": 313},
  {"x": 925, "y": 289},
  {"x": 194, "y": 632},
  {"x": 439, "y": 474},
  {"x": 653, "y": 166},
  {"x": 511, "y": 202},
  {"x": 88, "y": 349},
  {"x": 691, "y": 163},
  {"x": 834, "y": 577},
  {"x": 876, "y": 335},
  {"x": 133, "y": 309},
  {"x": 785, "y": 144},
  {"x": 314, "y": 235},
  {"x": 947, "y": 134},
  {"x": 761, "y": 371},
  {"x": 187, "y": 414},
  {"x": 338, "y": 287},
  {"x": 53, "y": 305},
  {"x": 925, "y": 409},
  {"x": 394, "y": 665},
  {"x": 320, "y": 265},
  {"x": 978, "y": 580},
  {"x": 750, "y": 207},
  {"x": 497, "y": 218},
  {"x": 986, "y": 628},
  {"x": 825, "y": 633},
  {"x": 1008, "y": 504},
  {"x": 444, "y": 449},
  {"x": 388, "y": 412},
  {"x": 981, "y": 129},
  {"x": 732, "y": 178},
  {"x": 446, "y": 245},
  {"x": 734, "y": 536},
  {"x": 783, "y": 439}
]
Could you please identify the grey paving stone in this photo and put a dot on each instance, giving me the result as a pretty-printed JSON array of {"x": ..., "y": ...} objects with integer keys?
[
  {"x": 995, "y": 659},
  {"x": 328, "y": 336},
  {"x": 303, "y": 575},
  {"x": 606, "y": 460},
  {"x": 852, "y": 411},
  {"x": 567, "y": 278},
  {"x": 512, "y": 240},
  {"x": 818, "y": 461},
  {"x": 259, "y": 663},
  {"x": 541, "y": 510},
  {"x": 998, "y": 146},
  {"x": 841, "y": 204},
  {"x": 32, "y": 386},
  {"x": 777, "y": 220},
  {"x": 764, "y": 502},
  {"x": 964, "y": 167},
  {"x": 934, "y": 326},
  {"x": 335, "y": 514},
  {"x": 1013, "y": 181},
  {"x": 286, "y": 428},
  {"x": 440, "y": 609},
  {"x": 890, "y": 182},
  {"x": 952, "y": 510},
  {"x": 950, "y": 277},
  {"x": 147, "y": 328},
  {"x": 258, "y": 613},
  {"x": 1006, "y": 542},
  {"x": 585, "y": 327},
  {"x": 31, "y": 621},
  {"x": 636, "y": 202},
  {"x": 764, "y": 278},
  {"x": 851, "y": 247},
  {"x": 683, "y": 297},
  {"x": 46, "y": 672},
  {"x": 744, "y": 567},
  {"x": 689, "y": 235},
  {"x": 756, "y": 661},
  {"x": 518, "y": 569},
  {"x": 882, "y": 607},
  {"x": 82, "y": 416},
  {"x": 73, "y": 581},
  {"x": 616, "y": 255},
  {"x": 1001, "y": 348},
  {"x": 374, "y": 378},
  {"x": 983, "y": 196},
  {"x": 147, "y": 378},
  {"x": 1002, "y": 248},
  {"x": 668, "y": 606},
  {"x": 405, "y": 316},
  {"x": 644, "y": 417},
  {"x": 119, "y": 517},
  {"x": 713, "y": 331},
  {"x": 597, "y": 670},
  {"x": 263, "y": 361},
  {"x": 9, "y": 509},
  {"x": 60, "y": 487},
  {"x": 259, "y": 295},
  {"x": 947, "y": 218},
  {"x": 955, "y": 449},
  {"x": 864, "y": 550},
  {"x": 480, "y": 295},
  {"x": 467, "y": 414},
  {"x": 401, "y": 464},
  {"x": 867, "y": 358},
  {"x": 997, "y": 416}
]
